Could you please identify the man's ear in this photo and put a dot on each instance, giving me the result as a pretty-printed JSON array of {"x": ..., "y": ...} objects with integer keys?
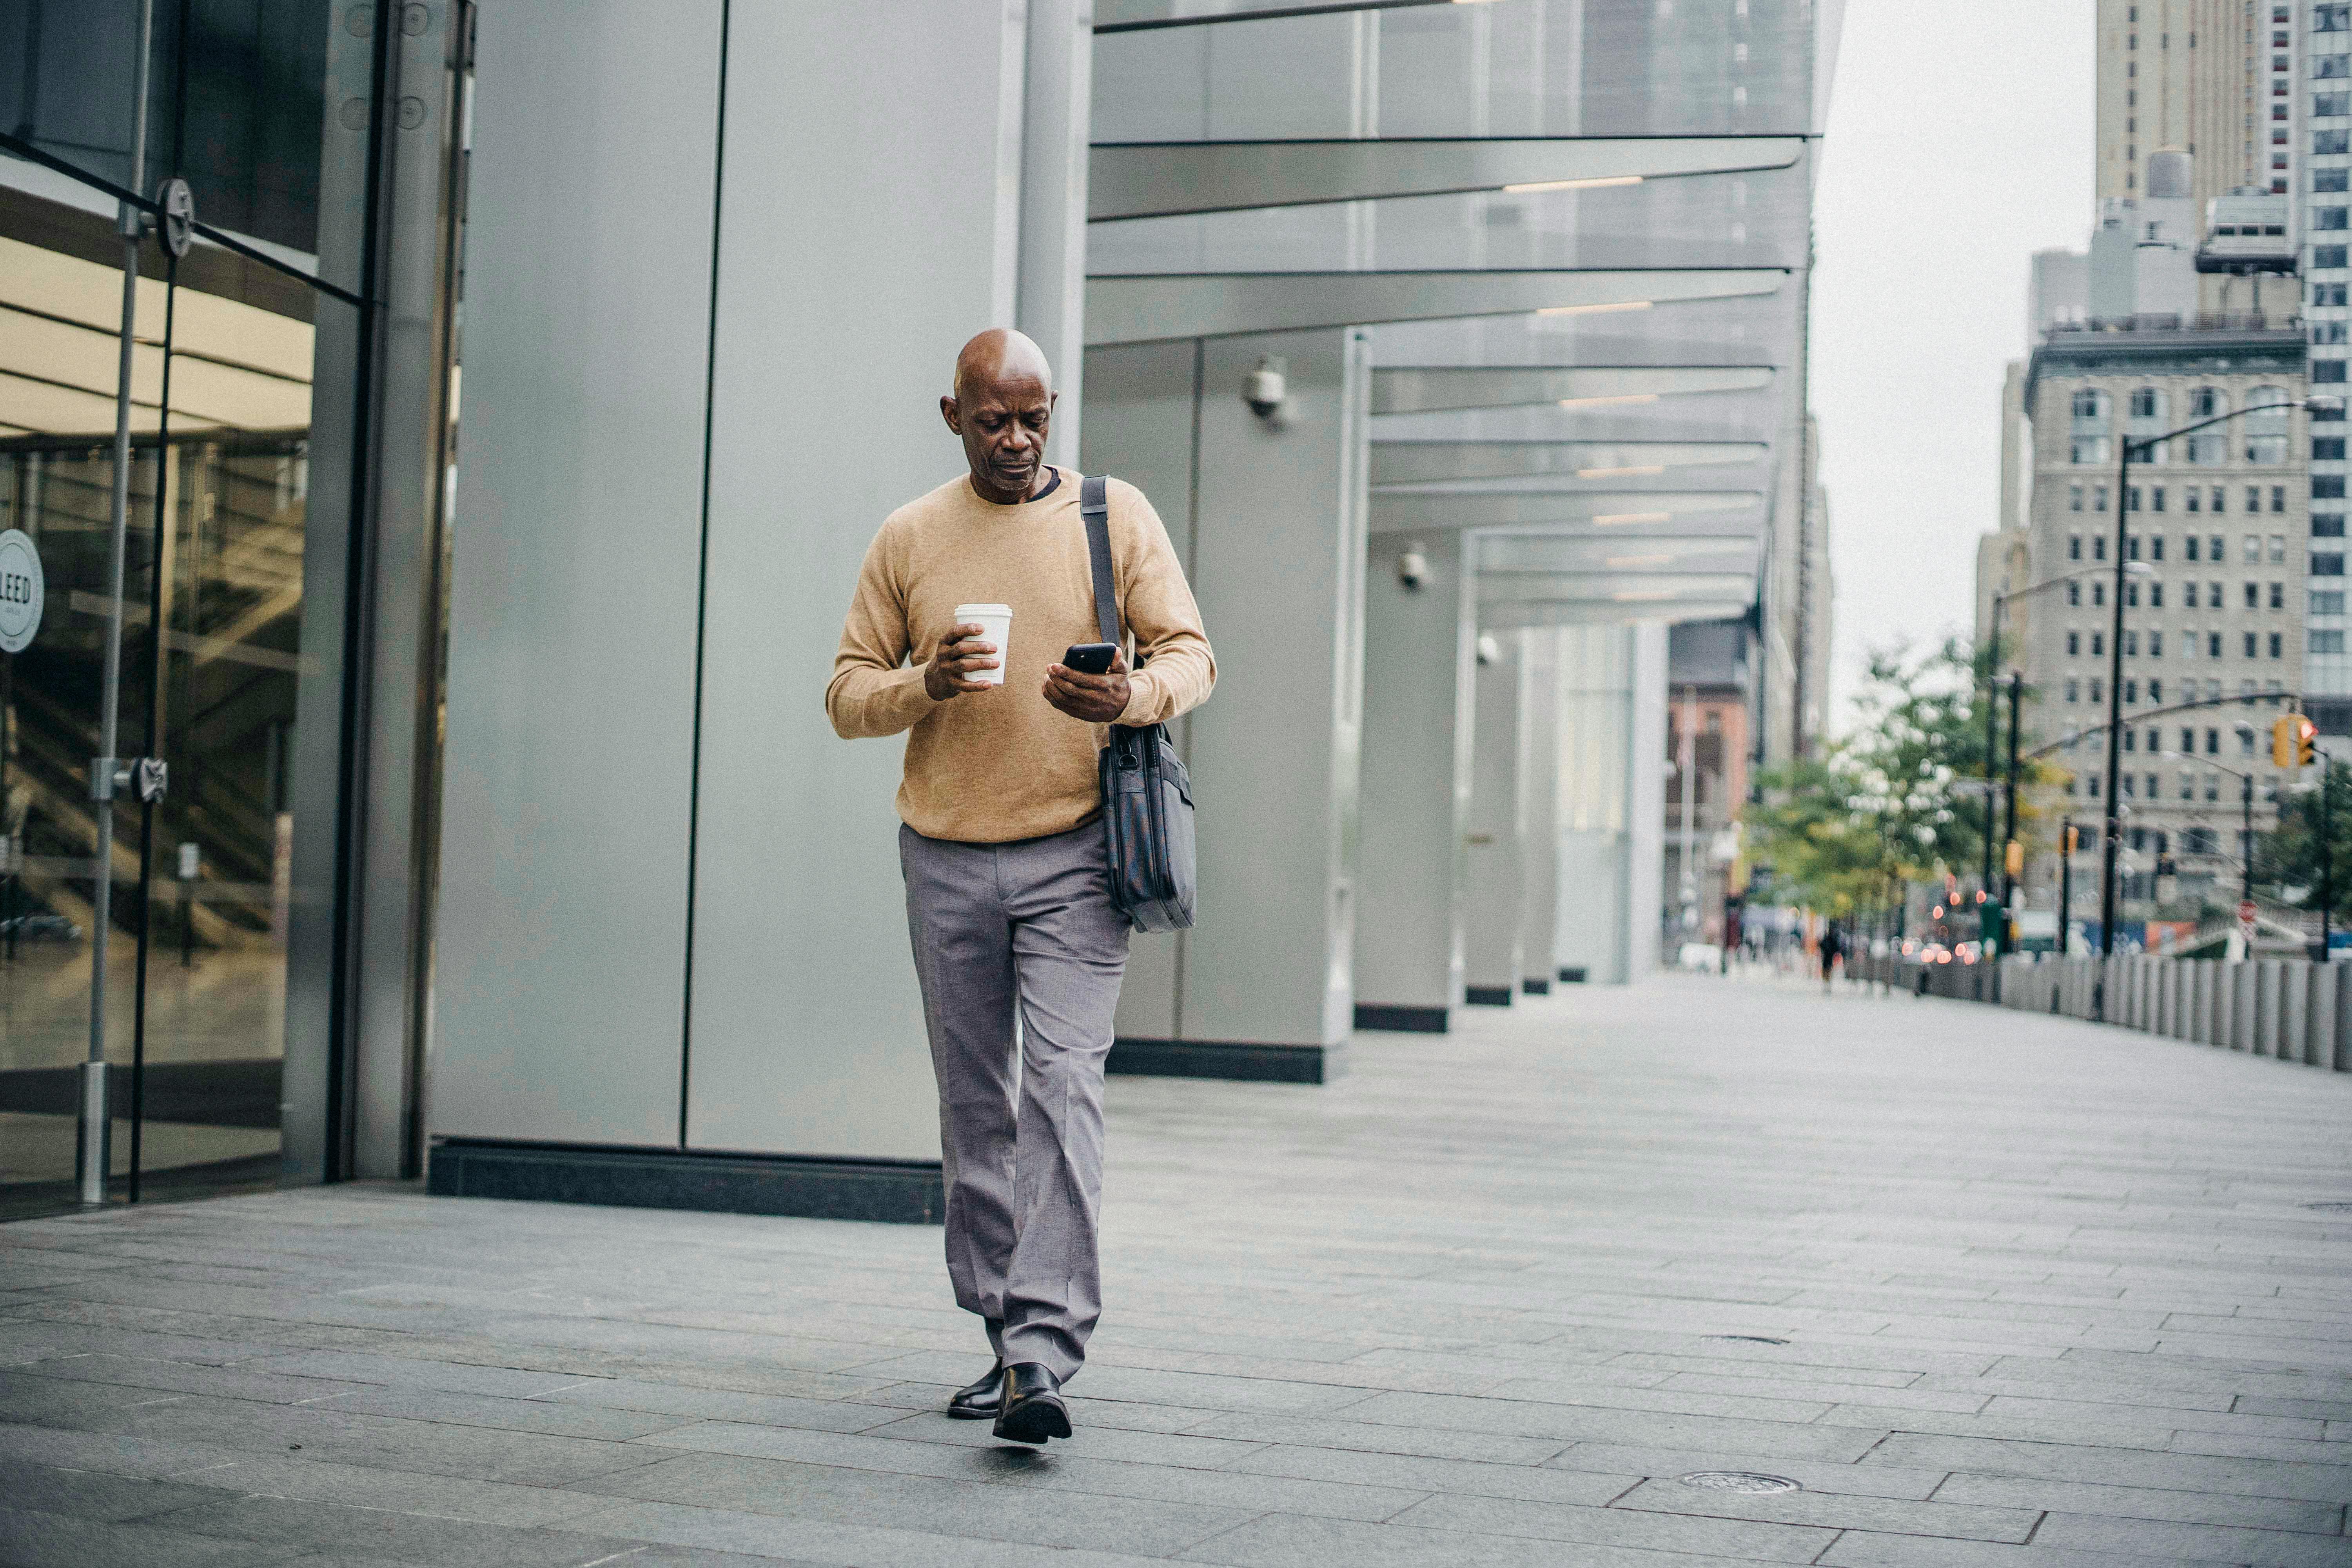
[{"x": 949, "y": 413}]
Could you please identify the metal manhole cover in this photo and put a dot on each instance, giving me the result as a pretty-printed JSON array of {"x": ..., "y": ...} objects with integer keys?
[
  {"x": 1748, "y": 1483},
  {"x": 2333, "y": 1207},
  {"x": 1748, "y": 1339}
]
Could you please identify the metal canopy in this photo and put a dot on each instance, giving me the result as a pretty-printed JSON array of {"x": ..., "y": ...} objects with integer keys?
[
  {"x": 1152, "y": 307},
  {"x": 1672, "y": 608},
  {"x": 1140, "y": 16},
  {"x": 1597, "y": 508},
  {"x": 1420, "y": 389},
  {"x": 1401, "y": 463},
  {"x": 1154, "y": 179}
]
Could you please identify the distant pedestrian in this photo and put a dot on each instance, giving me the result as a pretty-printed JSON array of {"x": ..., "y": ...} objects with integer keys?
[
  {"x": 1831, "y": 948},
  {"x": 966, "y": 599}
]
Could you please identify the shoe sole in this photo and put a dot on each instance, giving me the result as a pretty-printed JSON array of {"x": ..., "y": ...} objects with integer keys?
[
  {"x": 956, "y": 1413},
  {"x": 1033, "y": 1421}
]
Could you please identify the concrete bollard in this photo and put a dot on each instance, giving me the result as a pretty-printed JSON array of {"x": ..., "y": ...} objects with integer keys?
[
  {"x": 2339, "y": 1032},
  {"x": 2199, "y": 1009},
  {"x": 2241, "y": 1006},
  {"x": 2294, "y": 1008},
  {"x": 2266, "y": 1008},
  {"x": 2319, "y": 1012},
  {"x": 2172, "y": 973}
]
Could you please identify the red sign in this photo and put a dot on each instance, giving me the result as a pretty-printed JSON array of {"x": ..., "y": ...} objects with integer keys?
[{"x": 2246, "y": 912}]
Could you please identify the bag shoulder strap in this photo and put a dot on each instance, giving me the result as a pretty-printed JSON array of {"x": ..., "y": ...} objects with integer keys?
[{"x": 1094, "y": 505}]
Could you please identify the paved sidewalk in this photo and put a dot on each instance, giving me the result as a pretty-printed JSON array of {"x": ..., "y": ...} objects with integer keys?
[{"x": 1991, "y": 1289}]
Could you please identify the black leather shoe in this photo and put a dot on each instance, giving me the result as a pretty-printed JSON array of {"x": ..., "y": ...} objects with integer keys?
[
  {"x": 1034, "y": 1410},
  {"x": 980, "y": 1401}
]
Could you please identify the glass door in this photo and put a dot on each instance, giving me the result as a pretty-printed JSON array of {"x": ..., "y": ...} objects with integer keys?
[{"x": 174, "y": 517}]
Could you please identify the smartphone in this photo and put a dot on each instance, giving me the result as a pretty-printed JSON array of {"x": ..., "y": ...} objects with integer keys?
[{"x": 1090, "y": 658}]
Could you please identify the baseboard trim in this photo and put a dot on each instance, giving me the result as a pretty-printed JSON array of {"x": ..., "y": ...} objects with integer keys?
[
  {"x": 1536, "y": 987},
  {"x": 895, "y": 1192},
  {"x": 1402, "y": 1020},
  {"x": 1574, "y": 976},
  {"x": 1245, "y": 1061},
  {"x": 1487, "y": 996}
]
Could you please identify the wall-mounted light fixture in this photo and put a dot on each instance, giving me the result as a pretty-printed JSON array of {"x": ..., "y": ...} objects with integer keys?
[{"x": 1412, "y": 569}]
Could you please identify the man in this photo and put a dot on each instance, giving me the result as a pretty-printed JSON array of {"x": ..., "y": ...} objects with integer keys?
[
  {"x": 1008, "y": 893},
  {"x": 1831, "y": 947}
]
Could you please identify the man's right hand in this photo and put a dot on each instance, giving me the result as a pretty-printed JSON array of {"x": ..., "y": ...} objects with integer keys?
[{"x": 953, "y": 662}]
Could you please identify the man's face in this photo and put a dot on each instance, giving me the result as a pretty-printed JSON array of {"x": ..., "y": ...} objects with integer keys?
[{"x": 1002, "y": 422}]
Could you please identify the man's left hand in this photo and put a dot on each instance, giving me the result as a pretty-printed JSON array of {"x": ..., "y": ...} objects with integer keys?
[{"x": 1095, "y": 698}]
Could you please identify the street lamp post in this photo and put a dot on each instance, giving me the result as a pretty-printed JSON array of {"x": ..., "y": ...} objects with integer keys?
[
  {"x": 2008, "y": 877},
  {"x": 2111, "y": 836},
  {"x": 2065, "y": 884},
  {"x": 2246, "y": 819}
]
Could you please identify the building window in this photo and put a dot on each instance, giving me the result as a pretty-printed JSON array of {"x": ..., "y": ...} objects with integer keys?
[
  {"x": 2325, "y": 218},
  {"x": 2327, "y": 256},
  {"x": 2087, "y": 450},
  {"x": 2189, "y": 596},
  {"x": 2155, "y": 650},
  {"x": 2252, "y": 547},
  {"x": 2098, "y": 594},
  {"x": 2329, "y": 180},
  {"x": 2073, "y": 690},
  {"x": 2074, "y": 645},
  {"x": 2326, "y": 369},
  {"x": 2099, "y": 644},
  {"x": 2327, "y": 565},
  {"x": 2193, "y": 496},
  {"x": 2325, "y": 642},
  {"x": 2327, "y": 602},
  {"x": 2331, "y": 105},
  {"x": 2131, "y": 695},
  {"x": 2328, "y": 487},
  {"x": 2099, "y": 690},
  {"x": 2155, "y": 595},
  {"x": 2073, "y": 593},
  {"x": 2327, "y": 525},
  {"x": 2278, "y": 498},
  {"x": 2154, "y": 691},
  {"x": 2156, "y": 504},
  {"x": 2131, "y": 498},
  {"x": 2325, "y": 142},
  {"x": 2131, "y": 646},
  {"x": 2075, "y": 541},
  {"x": 2098, "y": 547},
  {"x": 2278, "y": 548},
  {"x": 2131, "y": 542},
  {"x": 2276, "y": 644},
  {"x": 2156, "y": 548},
  {"x": 2215, "y": 540},
  {"x": 2253, "y": 595},
  {"x": 2324, "y": 449},
  {"x": 2253, "y": 644},
  {"x": 2266, "y": 431},
  {"x": 2074, "y": 492},
  {"x": 2213, "y": 648},
  {"x": 2098, "y": 498},
  {"x": 2278, "y": 595},
  {"x": 2191, "y": 547}
]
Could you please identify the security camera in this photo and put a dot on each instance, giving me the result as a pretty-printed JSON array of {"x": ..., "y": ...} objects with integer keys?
[
  {"x": 1412, "y": 569},
  {"x": 1490, "y": 651},
  {"x": 1263, "y": 389}
]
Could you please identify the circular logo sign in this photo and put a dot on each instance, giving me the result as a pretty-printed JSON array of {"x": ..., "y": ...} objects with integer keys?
[{"x": 22, "y": 591}]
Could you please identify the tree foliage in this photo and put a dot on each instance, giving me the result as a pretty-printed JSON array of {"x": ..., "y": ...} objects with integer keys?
[
  {"x": 2294, "y": 853},
  {"x": 1883, "y": 807}
]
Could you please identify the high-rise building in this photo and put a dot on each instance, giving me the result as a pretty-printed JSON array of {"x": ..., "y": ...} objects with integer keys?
[
  {"x": 2201, "y": 76},
  {"x": 2327, "y": 671}
]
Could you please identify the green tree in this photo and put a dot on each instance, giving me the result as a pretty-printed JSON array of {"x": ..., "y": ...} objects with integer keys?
[{"x": 2294, "y": 853}]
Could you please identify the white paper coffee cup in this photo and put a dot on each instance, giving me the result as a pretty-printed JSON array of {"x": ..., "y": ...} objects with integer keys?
[{"x": 995, "y": 624}]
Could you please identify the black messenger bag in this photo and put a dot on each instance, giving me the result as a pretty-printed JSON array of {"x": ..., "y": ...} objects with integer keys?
[{"x": 1146, "y": 795}]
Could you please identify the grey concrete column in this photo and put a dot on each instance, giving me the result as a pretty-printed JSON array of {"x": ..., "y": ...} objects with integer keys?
[
  {"x": 2319, "y": 1017},
  {"x": 1051, "y": 304},
  {"x": 1418, "y": 693},
  {"x": 898, "y": 232},
  {"x": 1267, "y": 515},
  {"x": 2339, "y": 1051},
  {"x": 2266, "y": 1007},
  {"x": 1540, "y": 786},
  {"x": 1494, "y": 895},
  {"x": 2295, "y": 1009},
  {"x": 2242, "y": 1006},
  {"x": 1594, "y": 935}
]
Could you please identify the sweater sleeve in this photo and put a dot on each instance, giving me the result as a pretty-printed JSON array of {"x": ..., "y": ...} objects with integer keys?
[
  {"x": 874, "y": 691},
  {"x": 1177, "y": 667}
]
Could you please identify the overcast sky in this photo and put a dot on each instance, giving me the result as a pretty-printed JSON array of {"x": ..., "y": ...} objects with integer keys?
[{"x": 1958, "y": 143}]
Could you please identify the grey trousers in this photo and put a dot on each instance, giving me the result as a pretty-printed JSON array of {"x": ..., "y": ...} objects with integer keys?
[{"x": 1027, "y": 927}]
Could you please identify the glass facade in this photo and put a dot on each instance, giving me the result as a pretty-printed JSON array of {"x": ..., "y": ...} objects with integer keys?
[{"x": 226, "y": 489}]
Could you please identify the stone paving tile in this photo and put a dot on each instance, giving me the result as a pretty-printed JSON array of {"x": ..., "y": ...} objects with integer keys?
[
  {"x": 1280, "y": 1540},
  {"x": 2118, "y": 1466},
  {"x": 235, "y": 1381},
  {"x": 932, "y": 1504},
  {"x": 91, "y": 1494},
  {"x": 29, "y": 1536},
  {"x": 2195, "y": 1543},
  {"x": 838, "y": 1545},
  {"x": 1958, "y": 1521},
  {"x": 1878, "y": 1481},
  {"x": 1862, "y": 1549},
  {"x": 287, "y": 1524},
  {"x": 1614, "y": 1526},
  {"x": 2145, "y": 1502}
]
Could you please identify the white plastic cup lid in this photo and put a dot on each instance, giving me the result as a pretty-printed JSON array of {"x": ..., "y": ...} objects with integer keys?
[{"x": 965, "y": 612}]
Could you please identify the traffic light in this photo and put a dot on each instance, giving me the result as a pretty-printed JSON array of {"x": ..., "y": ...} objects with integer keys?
[
  {"x": 2291, "y": 741},
  {"x": 2013, "y": 858}
]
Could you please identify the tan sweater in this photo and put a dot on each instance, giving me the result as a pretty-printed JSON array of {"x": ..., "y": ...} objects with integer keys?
[{"x": 987, "y": 767}]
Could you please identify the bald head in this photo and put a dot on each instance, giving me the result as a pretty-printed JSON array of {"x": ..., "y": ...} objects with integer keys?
[
  {"x": 999, "y": 354},
  {"x": 1001, "y": 407}
]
